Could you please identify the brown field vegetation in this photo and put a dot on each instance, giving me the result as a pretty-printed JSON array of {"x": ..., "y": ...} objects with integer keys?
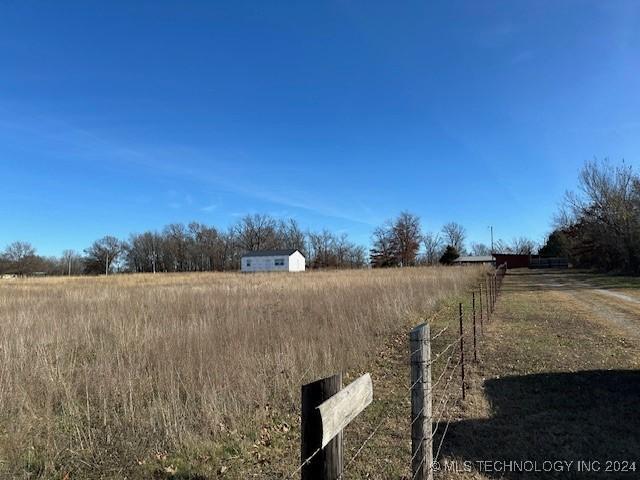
[{"x": 99, "y": 374}]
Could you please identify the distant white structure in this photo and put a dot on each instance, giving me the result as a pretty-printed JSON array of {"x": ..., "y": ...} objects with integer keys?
[{"x": 273, "y": 261}]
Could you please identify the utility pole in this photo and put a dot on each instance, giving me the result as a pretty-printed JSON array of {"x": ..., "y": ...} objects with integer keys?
[{"x": 491, "y": 227}]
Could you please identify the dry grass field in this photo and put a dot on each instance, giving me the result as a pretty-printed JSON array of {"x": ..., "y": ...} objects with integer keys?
[{"x": 128, "y": 376}]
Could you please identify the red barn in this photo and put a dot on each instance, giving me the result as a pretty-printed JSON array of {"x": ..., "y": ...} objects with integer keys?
[{"x": 513, "y": 260}]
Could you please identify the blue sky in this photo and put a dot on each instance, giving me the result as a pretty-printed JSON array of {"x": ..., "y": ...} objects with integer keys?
[{"x": 117, "y": 117}]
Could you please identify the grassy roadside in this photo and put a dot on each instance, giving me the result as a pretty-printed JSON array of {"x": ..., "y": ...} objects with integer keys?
[
  {"x": 558, "y": 384},
  {"x": 603, "y": 280}
]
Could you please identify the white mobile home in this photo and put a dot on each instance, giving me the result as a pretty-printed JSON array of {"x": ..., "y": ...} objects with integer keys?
[{"x": 273, "y": 261}]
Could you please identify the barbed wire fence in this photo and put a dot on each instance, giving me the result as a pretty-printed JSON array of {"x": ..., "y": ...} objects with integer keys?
[
  {"x": 434, "y": 402},
  {"x": 438, "y": 386}
]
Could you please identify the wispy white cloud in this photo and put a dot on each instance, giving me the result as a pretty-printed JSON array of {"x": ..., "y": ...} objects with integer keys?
[
  {"x": 209, "y": 208},
  {"x": 178, "y": 162}
]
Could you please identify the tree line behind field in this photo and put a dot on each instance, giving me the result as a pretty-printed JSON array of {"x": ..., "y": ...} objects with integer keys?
[
  {"x": 599, "y": 224},
  {"x": 400, "y": 242},
  {"x": 197, "y": 247}
]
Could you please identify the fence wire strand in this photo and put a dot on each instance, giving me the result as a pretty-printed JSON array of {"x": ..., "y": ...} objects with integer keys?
[
  {"x": 309, "y": 458},
  {"x": 444, "y": 434},
  {"x": 441, "y": 403},
  {"x": 355, "y": 455}
]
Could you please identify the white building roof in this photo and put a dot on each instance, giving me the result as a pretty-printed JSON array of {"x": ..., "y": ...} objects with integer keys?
[{"x": 271, "y": 253}]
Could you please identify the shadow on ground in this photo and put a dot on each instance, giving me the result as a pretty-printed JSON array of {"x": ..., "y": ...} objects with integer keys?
[{"x": 588, "y": 416}]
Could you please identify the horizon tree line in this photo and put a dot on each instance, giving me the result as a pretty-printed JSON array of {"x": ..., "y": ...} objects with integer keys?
[
  {"x": 400, "y": 242},
  {"x": 197, "y": 247}
]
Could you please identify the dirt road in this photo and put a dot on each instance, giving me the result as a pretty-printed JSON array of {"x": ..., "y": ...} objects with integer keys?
[
  {"x": 612, "y": 301},
  {"x": 560, "y": 370}
]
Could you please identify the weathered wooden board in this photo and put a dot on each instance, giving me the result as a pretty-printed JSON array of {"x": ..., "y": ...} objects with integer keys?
[{"x": 338, "y": 411}]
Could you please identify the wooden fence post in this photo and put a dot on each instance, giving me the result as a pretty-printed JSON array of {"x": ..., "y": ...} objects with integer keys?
[
  {"x": 421, "y": 403},
  {"x": 326, "y": 463}
]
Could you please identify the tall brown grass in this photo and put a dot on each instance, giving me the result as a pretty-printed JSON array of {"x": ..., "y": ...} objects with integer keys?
[{"x": 96, "y": 372}]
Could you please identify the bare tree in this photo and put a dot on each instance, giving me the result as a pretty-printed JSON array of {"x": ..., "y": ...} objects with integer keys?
[
  {"x": 523, "y": 246},
  {"x": 327, "y": 250},
  {"x": 70, "y": 258},
  {"x": 356, "y": 256},
  {"x": 209, "y": 247},
  {"x": 21, "y": 257},
  {"x": 102, "y": 254},
  {"x": 433, "y": 248},
  {"x": 480, "y": 249},
  {"x": 500, "y": 246},
  {"x": 176, "y": 240},
  {"x": 383, "y": 253},
  {"x": 454, "y": 234},
  {"x": 322, "y": 249},
  {"x": 407, "y": 236},
  {"x": 602, "y": 219},
  {"x": 144, "y": 252},
  {"x": 256, "y": 232},
  {"x": 397, "y": 242},
  {"x": 291, "y": 235}
]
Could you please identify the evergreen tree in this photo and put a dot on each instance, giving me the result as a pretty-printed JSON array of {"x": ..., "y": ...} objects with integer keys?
[{"x": 449, "y": 255}]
